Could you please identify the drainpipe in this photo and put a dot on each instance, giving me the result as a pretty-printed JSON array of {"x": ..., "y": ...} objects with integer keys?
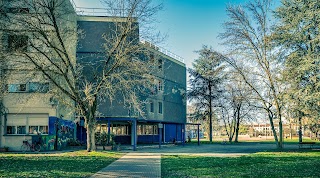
[{"x": 198, "y": 134}]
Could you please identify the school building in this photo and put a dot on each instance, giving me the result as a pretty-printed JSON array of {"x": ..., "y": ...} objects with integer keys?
[{"x": 28, "y": 108}]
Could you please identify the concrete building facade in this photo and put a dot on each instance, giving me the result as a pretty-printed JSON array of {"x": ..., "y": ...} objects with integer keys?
[{"x": 29, "y": 108}]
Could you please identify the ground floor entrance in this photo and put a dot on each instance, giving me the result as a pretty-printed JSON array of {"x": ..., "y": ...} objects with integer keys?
[{"x": 133, "y": 131}]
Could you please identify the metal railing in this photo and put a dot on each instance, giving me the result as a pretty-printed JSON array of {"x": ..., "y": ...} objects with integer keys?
[
  {"x": 162, "y": 50},
  {"x": 92, "y": 11},
  {"x": 95, "y": 11}
]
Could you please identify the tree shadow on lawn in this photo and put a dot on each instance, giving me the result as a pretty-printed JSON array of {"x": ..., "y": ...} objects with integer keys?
[
  {"x": 267, "y": 164},
  {"x": 52, "y": 166}
]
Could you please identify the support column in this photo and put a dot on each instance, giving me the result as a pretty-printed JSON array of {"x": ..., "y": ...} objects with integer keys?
[
  {"x": 182, "y": 134},
  {"x": 108, "y": 141},
  {"x": 160, "y": 126},
  {"x": 198, "y": 134},
  {"x": 134, "y": 134}
]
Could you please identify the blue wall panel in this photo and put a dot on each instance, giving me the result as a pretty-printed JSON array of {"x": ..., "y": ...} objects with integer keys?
[
  {"x": 148, "y": 138},
  {"x": 170, "y": 132}
]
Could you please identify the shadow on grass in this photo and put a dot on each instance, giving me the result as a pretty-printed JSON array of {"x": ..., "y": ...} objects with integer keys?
[
  {"x": 53, "y": 166},
  {"x": 275, "y": 164}
]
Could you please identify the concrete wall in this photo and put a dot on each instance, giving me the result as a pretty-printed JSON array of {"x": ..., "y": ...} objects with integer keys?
[
  {"x": 27, "y": 104},
  {"x": 173, "y": 74}
]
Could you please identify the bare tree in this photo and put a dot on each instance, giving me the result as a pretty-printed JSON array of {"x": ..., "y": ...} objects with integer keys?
[
  {"x": 247, "y": 33},
  {"x": 234, "y": 105},
  {"x": 124, "y": 69}
]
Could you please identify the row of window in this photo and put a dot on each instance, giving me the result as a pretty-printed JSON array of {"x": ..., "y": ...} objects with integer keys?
[
  {"x": 119, "y": 129},
  {"x": 159, "y": 107},
  {"x": 22, "y": 129},
  {"x": 20, "y": 10},
  {"x": 26, "y": 124},
  {"x": 32, "y": 87}
]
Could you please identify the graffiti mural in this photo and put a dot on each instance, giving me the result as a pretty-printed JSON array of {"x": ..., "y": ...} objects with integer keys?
[{"x": 61, "y": 129}]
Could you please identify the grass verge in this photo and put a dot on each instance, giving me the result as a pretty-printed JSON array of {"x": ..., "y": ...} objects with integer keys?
[
  {"x": 72, "y": 164},
  {"x": 264, "y": 164}
]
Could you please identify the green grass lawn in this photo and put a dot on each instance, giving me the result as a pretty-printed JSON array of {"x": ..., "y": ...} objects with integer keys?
[
  {"x": 294, "y": 140},
  {"x": 266, "y": 164},
  {"x": 72, "y": 164}
]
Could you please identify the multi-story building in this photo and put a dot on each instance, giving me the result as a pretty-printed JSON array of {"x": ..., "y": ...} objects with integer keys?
[
  {"x": 166, "y": 105},
  {"x": 30, "y": 109}
]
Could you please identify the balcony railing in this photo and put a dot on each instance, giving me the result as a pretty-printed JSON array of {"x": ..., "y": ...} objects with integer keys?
[
  {"x": 163, "y": 51},
  {"x": 98, "y": 11}
]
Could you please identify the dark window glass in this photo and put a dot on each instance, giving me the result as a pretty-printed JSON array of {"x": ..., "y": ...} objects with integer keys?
[
  {"x": 160, "y": 107},
  {"x": 17, "y": 42},
  {"x": 160, "y": 86},
  {"x": 11, "y": 130},
  {"x": 151, "y": 107},
  {"x": 19, "y": 10},
  {"x": 12, "y": 88},
  {"x": 21, "y": 130},
  {"x": 22, "y": 87},
  {"x": 33, "y": 129},
  {"x": 160, "y": 64},
  {"x": 43, "y": 129}
]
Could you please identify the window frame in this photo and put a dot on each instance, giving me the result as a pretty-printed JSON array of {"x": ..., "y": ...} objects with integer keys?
[
  {"x": 151, "y": 107},
  {"x": 24, "y": 129},
  {"x": 160, "y": 107},
  {"x": 18, "y": 43}
]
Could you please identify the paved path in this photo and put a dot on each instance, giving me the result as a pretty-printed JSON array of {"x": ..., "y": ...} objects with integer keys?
[
  {"x": 146, "y": 162},
  {"x": 133, "y": 165}
]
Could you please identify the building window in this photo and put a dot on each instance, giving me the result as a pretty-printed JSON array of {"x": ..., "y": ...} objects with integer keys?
[
  {"x": 24, "y": 124},
  {"x": 13, "y": 88},
  {"x": 160, "y": 85},
  {"x": 21, "y": 129},
  {"x": 160, "y": 107},
  {"x": 38, "y": 87},
  {"x": 151, "y": 107},
  {"x": 17, "y": 42},
  {"x": 11, "y": 130},
  {"x": 19, "y": 10},
  {"x": 147, "y": 130},
  {"x": 33, "y": 87},
  {"x": 160, "y": 64},
  {"x": 38, "y": 129}
]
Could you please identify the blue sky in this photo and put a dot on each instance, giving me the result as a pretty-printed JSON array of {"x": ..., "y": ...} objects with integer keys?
[{"x": 189, "y": 24}]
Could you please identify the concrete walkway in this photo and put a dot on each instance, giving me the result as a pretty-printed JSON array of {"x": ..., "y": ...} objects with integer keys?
[
  {"x": 146, "y": 162},
  {"x": 133, "y": 165}
]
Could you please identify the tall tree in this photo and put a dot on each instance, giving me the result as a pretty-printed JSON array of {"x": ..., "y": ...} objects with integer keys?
[
  {"x": 123, "y": 70},
  {"x": 247, "y": 33},
  {"x": 205, "y": 78},
  {"x": 297, "y": 31}
]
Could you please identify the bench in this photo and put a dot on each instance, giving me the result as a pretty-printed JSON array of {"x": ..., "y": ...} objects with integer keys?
[{"x": 310, "y": 144}]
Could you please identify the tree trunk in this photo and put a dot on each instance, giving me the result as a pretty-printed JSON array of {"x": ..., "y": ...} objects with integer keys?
[
  {"x": 273, "y": 129},
  {"x": 280, "y": 145},
  {"x": 91, "y": 146},
  {"x": 238, "y": 123},
  {"x": 300, "y": 128},
  {"x": 210, "y": 112}
]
